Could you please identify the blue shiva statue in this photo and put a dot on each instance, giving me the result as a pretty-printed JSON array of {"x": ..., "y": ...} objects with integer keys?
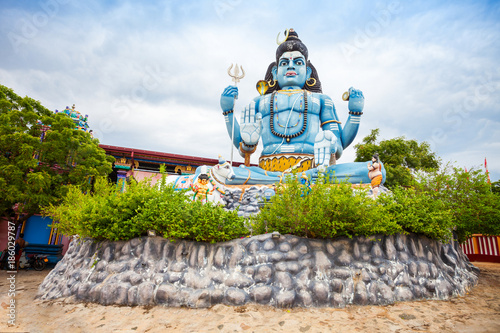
[{"x": 295, "y": 121}]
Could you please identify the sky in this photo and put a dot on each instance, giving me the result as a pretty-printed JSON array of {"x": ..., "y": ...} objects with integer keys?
[{"x": 150, "y": 74}]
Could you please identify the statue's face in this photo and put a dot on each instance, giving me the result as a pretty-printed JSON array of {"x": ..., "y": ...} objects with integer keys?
[{"x": 292, "y": 70}]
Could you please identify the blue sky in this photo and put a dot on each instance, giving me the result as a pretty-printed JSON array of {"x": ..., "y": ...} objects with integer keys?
[{"x": 150, "y": 74}]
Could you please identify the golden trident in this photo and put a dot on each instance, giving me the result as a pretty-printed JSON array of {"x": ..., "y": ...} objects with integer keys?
[{"x": 236, "y": 76}]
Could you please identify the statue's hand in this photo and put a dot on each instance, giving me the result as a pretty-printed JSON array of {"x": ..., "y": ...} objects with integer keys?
[
  {"x": 227, "y": 98},
  {"x": 356, "y": 100},
  {"x": 250, "y": 125},
  {"x": 325, "y": 144}
]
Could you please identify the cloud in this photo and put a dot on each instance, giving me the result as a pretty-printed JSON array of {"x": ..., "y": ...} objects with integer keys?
[{"x": 150, "y": 75}]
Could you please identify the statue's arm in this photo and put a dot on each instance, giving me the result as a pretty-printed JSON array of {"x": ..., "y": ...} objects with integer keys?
[
  {"x": 356, "y": 105},
  {"x": 329, "y": 119},
  {"x": 330, "y": 125},
  {"x": 227, "y": 105}
]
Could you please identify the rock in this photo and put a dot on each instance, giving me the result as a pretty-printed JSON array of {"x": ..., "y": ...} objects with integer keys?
[
  {"x": 285, "y": 299},
  {"x": 194, "y": 280},
  {"x": 385, "y": 294},
  {"x": 165, "y": 293},
  {"x": 390, "y": 250},
  {"x": 261, "y": 294},
  {"x": 304, "y": 298},
  {"x": 253, "y": 247},
  {"x": 235, "y": 296},
  {"x": 238, "y": 280},
  {"x": 302, "y": 249},
  {"x": 269, "y": 245},
  {"x": 412, "y": 268},
  {"x": 132, "y": 296},
  {"x": 284, "y": 280},
  {"x": 337, "y": 300},
  {"x": 336, "y": 285},
  {"x": 423, "y": 269},
  {"x": 263, "y": 274},
  {"x": 285, "y": 247},
  {"x": 376, "y": 250},
  {"x": 320, "y": 291},
  {"x": 329, "y": 248},
  {"x": 322, "y": 262},
  {"x": 145, "y": 293},
  {"x": 135, "y": 278},
  {"x": 360, "y": 294},
  {"x": 114, "y": 294},
  {"x": 402, "y": 294},
  {"x": 403, "y": 256},
  {"x": 403, "y": 279},
  {"x": 116, "y": 267},
  {"x": 341, "y": 273},
  {"x": 108, "y": 253}
]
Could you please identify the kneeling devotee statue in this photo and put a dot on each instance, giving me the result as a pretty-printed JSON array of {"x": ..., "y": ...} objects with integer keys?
[{"x": 296, "y": 122}]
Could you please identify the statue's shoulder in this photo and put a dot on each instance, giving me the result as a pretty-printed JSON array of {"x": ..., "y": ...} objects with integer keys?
[
  {"x": 321, "y": 97},
  {"x": 258, "y": 98}
]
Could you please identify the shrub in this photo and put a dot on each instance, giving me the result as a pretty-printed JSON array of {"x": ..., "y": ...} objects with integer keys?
[
  {"x": 107, "y": 213},
  {"x": 328, "y": 210},
  {"x": 440, "y": 203},
  {"x": 421, "y": 213},
  {"x": 475, "y": 208}
]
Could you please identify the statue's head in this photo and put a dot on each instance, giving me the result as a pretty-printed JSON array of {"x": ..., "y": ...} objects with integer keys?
[
  {"x": 292, "y": 67},
  {"x": 203, "y": 178}
]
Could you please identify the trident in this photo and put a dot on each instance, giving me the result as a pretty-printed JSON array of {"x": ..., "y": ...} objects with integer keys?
[{"x": 236, "y": 78}]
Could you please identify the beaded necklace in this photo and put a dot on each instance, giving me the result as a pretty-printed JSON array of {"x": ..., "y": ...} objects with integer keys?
[{"x": 288, "y": 136}]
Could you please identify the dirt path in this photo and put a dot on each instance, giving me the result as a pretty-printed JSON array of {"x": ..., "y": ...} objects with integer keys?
[{"x": 477, "y": 312}]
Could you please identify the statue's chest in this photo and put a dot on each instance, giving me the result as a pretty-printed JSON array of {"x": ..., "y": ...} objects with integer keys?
[{"x": 296, "y": 103}]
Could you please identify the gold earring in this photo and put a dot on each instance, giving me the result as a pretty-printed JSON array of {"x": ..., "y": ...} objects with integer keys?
[
  {"x": 272, "y": 85},
  {"x": 311, "y": 84}
]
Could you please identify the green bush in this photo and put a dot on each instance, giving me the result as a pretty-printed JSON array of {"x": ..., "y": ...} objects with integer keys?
[
  {"x": 475, "y": 208},
  {"x": 329, "y": 210},
  {"x": 421, "y": 213},
  {"x": 441, "y": 203},
  {"x": 107, "y": 213}
]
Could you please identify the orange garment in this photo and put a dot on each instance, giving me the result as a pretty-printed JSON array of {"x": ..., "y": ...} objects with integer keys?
[{"x": 376, "y": 181}]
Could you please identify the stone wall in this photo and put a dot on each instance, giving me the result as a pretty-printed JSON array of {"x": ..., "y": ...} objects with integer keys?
[
  {"x": 285, "y": 272},
  {"x": 247, "y": 201}
]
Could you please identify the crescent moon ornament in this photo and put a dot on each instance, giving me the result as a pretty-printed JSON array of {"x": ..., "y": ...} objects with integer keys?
[{"x": 287, "y": 32}]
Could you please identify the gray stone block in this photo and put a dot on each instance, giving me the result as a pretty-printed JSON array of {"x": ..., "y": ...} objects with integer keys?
[
  {"x": 261, "y": 294},
  {"x": 285, "y": 299},
  {"x": 235, "y": 296}
]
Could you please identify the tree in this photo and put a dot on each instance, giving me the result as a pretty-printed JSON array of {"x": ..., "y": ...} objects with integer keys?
[
  {"x": 35, "y": 172},
  {"x": 468, "y": 195},
  {"x": 495, "y": 187},
  {"x": 401, "y": 157}
]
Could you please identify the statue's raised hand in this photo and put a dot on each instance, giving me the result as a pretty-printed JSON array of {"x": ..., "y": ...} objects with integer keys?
[
  {"x": 250, "y": 125},
  {"x": 325, "y": 144},
  {"x": 356, "y": 100},
  {"x": 227, "y": 98}
]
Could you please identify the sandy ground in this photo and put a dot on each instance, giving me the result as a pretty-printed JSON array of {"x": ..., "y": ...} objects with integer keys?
[{"x": 479, "y": 311}]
